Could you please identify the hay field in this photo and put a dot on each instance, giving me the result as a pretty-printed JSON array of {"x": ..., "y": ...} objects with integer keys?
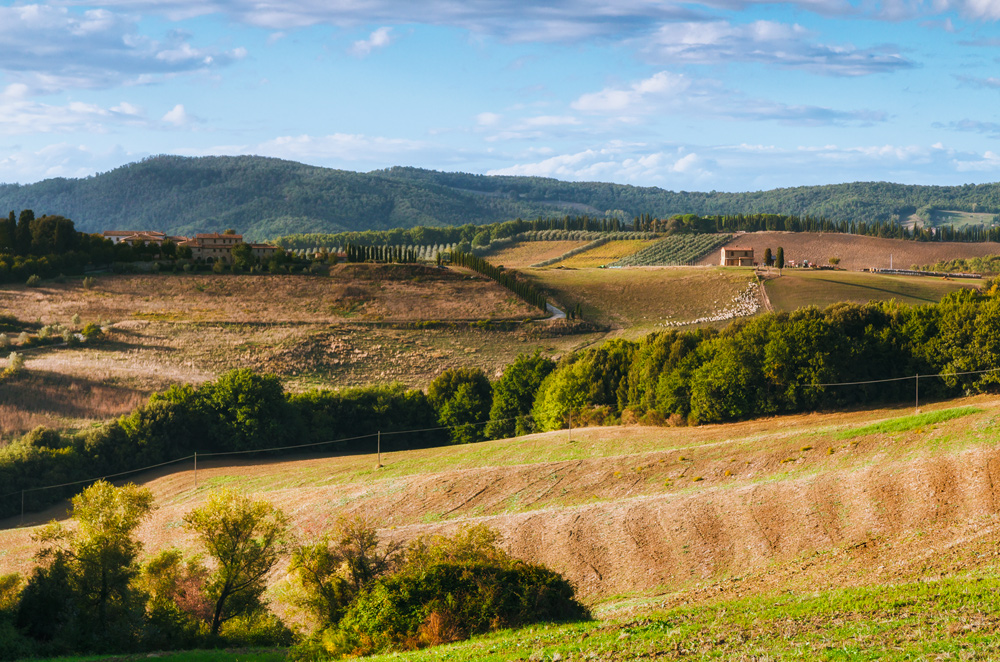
[
  {"x": 796, "y": 288},
  {"x": 527, "y": 253},
  {"x": 856, "y": 252},
  {"x": 605, "y": 254}
]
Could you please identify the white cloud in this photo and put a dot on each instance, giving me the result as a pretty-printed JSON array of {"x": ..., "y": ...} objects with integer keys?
[
  {"x": 666, "y": 92},
  {"x": 59, "y": 160},
  {"x": 52, "y": 48},
  {"x": 663, "y": 86},
  {"x": 177, "y": 116},
  {"x": 21, "y": 116},
  {"x": 792, "y": 46},
  {"x": 380, "y": 38},
  {"x": 488, "y": 119}
]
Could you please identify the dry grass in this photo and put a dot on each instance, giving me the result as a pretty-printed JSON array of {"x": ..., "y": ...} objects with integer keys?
[
  {"x": 37, "y": 397},
  {"x": 639, "y": 298},
  {"x": 606, "y": 253},
  {"x": 527, "y": 253}
]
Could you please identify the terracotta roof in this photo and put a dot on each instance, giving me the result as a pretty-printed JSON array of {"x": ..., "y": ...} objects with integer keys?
[
  {"x": 737, "y": 248},
  {"x": 216, "y": 235},
  {"x": 263, "y": 246}
]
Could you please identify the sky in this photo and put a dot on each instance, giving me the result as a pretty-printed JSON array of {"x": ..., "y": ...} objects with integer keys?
[{"x": 725, "y": 95}]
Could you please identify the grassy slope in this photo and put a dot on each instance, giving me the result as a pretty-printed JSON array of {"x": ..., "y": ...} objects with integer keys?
[
  {"x": 797, "y": 288},
  {"x": 638, "y": 299},
  {"x": 893, "y": 584}
]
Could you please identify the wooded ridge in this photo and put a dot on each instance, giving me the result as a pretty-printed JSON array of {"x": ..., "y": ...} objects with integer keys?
[{"x": 264, "y": 197}]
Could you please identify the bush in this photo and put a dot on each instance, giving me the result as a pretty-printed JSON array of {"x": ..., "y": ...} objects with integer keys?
[
  {"x": 450, "y": 589},
  {"x": 92, "y": 332},
  {"x": 89, "y": 282},
  {"x": 33, "y": 280}
]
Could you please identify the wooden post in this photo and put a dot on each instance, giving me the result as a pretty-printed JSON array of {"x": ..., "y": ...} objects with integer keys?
[
  {"x": 22, "y": 507},
  {"x": 917, "y": 389},
  {"x": 196, "y": 470},
  {"x": 571, "y": 427},
  {"x": 379, "y": 449}
]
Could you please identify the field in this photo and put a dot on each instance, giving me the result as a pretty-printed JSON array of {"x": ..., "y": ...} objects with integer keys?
[
  {"x": 674, "y": 250},
  {"x": 310, "y": 330},
  {"x": 791, "y": 534},
  {"x": 856, "y": 252},
  {"x": 960, "y": 219},
  {"x": 796, "y": 288},
  {"x": 605, "y": 254},
  {"x": 527, "y": 253},
  {"x": 642, "y": 299}
]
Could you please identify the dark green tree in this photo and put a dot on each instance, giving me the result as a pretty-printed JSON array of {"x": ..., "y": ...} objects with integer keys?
[
  {"x": 779, "y": 259},
  {"x": 514, "y": 394},
  {"x": 462, "y": 397}
]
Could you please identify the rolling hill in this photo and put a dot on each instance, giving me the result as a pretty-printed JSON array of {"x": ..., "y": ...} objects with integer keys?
[{"x": 266, "y": 197}]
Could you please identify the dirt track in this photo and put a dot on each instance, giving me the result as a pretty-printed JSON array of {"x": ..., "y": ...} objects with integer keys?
[{"x": 880, "y": 508}]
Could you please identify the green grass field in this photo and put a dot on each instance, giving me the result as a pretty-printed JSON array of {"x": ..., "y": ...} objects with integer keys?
[
  {"x": 960, "y": 219},
  {"x": 949, "y": 619},
  {"x": 796, "y": 288}
]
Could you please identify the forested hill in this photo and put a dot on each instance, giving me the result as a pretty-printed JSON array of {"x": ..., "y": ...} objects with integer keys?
[{"x": 264, "y": 197}]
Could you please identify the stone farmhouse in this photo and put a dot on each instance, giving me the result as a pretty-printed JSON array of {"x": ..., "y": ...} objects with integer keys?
[
  {"x": 737, "y": 256},
  {"x": 207, "y": 247}
]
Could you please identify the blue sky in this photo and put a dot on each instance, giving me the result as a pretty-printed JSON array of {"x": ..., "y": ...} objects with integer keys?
[{"x": 725, "y": 95}]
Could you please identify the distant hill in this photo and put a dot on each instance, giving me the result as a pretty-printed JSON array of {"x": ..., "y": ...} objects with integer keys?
[{"x": 265, "y": 197}]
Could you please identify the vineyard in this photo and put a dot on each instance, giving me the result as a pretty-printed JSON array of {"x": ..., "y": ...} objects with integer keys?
[{"x": 678, "y": 249}]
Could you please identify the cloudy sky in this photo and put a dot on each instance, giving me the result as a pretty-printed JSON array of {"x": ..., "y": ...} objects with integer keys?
[{"x": 727, "y": 95}]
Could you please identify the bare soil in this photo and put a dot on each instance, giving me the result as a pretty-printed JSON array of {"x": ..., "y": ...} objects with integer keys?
[
  {"x": 856, "y": 252},
  {"x": 527, "y": 253}
]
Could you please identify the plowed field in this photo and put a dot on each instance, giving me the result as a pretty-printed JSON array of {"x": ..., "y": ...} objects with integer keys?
[{"x": 856, "y": 252}]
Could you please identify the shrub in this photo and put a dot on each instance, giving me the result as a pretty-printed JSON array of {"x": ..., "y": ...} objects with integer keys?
[
  {"x": 4, "y": 341},
  {"x": 15, "y": 363},
  {"x": 92, "y": 332},
  {"x": 89, "y": 282},
  {"x": 450, "y": 589},
  {"x": 33, "y": 280}
]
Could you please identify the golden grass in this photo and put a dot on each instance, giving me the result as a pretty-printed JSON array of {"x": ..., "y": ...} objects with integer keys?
[
  {"x": 606, "y": 253},
  {"x": 527, "y": 253}
]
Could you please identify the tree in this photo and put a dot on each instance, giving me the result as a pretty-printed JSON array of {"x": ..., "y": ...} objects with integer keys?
[
  {"x": 332, "y": 572},
  {"x": 514, "y": 394},
  {"x": 245, "y": 537},
  {"x": 834, "y": 261},
  {"x": 768, "y": 258},
  {"x": 89, "y": 570},
  {"x": 243, "y": 257},
  {"x": 462, "y": 397},
  {"x": 779, "y": 260}
]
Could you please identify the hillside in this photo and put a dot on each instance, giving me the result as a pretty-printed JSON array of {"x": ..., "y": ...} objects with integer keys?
[
  {"x": 683, "y": 516},
  {"x": 266, "y": 197}
]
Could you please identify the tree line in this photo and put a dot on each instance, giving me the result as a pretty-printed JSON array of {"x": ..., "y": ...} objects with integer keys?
[{"x": 507, "y": 279}]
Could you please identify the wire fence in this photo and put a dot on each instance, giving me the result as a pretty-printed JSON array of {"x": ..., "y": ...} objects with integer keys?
[{"x": 379, "y": 434}]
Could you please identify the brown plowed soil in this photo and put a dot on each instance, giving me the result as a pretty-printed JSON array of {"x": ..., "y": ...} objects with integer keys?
[
  {"x": 683, "y": 515},
  {"x": 855, "y": 252}
]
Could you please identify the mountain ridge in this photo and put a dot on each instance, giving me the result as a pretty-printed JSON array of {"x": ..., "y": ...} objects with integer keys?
[{"x": 265, "y": 197}]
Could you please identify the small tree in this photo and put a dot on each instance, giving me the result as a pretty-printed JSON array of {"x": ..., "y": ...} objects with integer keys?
[
  {"x": 768, "y": 258},
  {"x": 780, "y": 258},
  {"x": 834, "y": 261},
  {"x": 92, "y": 567},
  {"x": 332, "y": 572},
  {"x": 245, "y": 537},
  {"x": 462, "y": 397}
]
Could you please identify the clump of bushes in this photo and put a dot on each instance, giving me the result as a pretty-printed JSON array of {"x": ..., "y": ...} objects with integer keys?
[{"x": 441, "y": 589}]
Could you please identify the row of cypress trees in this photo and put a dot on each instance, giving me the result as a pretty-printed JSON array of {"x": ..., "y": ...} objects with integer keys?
[{"x": 521, "y": 288}]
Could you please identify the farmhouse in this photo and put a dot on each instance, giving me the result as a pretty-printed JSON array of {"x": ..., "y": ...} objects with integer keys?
[
  {"x": 211, "y": 246},
  {"x": 737, "y": 256}
]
